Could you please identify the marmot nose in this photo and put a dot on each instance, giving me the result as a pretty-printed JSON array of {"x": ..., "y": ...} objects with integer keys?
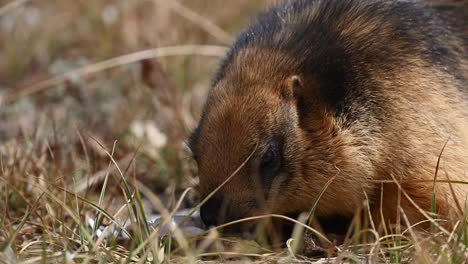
[{"x": 209, "y": 212}]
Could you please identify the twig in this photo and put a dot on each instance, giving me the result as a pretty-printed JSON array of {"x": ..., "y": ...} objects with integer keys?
[
  {"x": 199, "y": 20},
  {"x": 184, "y": 50},
  {"x": 10, "y": 6}
]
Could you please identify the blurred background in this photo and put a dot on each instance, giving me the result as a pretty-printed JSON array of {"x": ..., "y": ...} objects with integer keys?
[
  {"x": 85, "y": 80},
  {"x": 67, "y": 95}
]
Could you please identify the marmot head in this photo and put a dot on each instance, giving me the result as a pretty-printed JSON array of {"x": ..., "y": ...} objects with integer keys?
[
  {"x": 265, "y": 113},
  {"x": 314, "y": 90}
]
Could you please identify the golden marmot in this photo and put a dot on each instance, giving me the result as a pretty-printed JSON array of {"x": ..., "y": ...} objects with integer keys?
[{"x": 367, "y": 91}]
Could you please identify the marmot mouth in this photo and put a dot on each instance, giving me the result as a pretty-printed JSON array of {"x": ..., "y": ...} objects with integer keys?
[{"x": 335, "y": 224}]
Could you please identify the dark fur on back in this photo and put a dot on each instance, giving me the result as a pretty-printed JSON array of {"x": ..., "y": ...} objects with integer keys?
[
  {"x": 316, "y": 40},
  {"x": 316, "y": 36}
]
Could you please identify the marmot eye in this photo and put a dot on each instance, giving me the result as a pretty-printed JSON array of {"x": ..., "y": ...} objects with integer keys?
[{"x": 271, "y": 162}]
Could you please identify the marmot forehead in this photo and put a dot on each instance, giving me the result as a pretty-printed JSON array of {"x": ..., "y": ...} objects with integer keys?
[{"x": 242, "y": 113}]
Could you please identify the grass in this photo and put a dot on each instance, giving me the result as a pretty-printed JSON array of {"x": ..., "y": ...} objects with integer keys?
[{"x": 96, "y": 101}]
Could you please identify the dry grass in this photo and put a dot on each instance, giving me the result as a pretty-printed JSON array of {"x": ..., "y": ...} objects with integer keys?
[{"x": 96, "y": 101}]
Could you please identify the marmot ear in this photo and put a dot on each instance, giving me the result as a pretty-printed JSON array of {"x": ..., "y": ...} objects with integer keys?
[
  {"x": 293, "y": 86},
  {"x": 303, "y": 97}
]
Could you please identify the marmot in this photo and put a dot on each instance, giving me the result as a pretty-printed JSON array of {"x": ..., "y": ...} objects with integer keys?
[{"x": 368, "y": 92}]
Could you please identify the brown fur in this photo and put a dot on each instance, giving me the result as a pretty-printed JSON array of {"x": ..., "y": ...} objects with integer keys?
[{"x": 264, "y": 92}]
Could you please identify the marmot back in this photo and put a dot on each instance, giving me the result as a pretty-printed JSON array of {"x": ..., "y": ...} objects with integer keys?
[{"x": 368, "y": 92}]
